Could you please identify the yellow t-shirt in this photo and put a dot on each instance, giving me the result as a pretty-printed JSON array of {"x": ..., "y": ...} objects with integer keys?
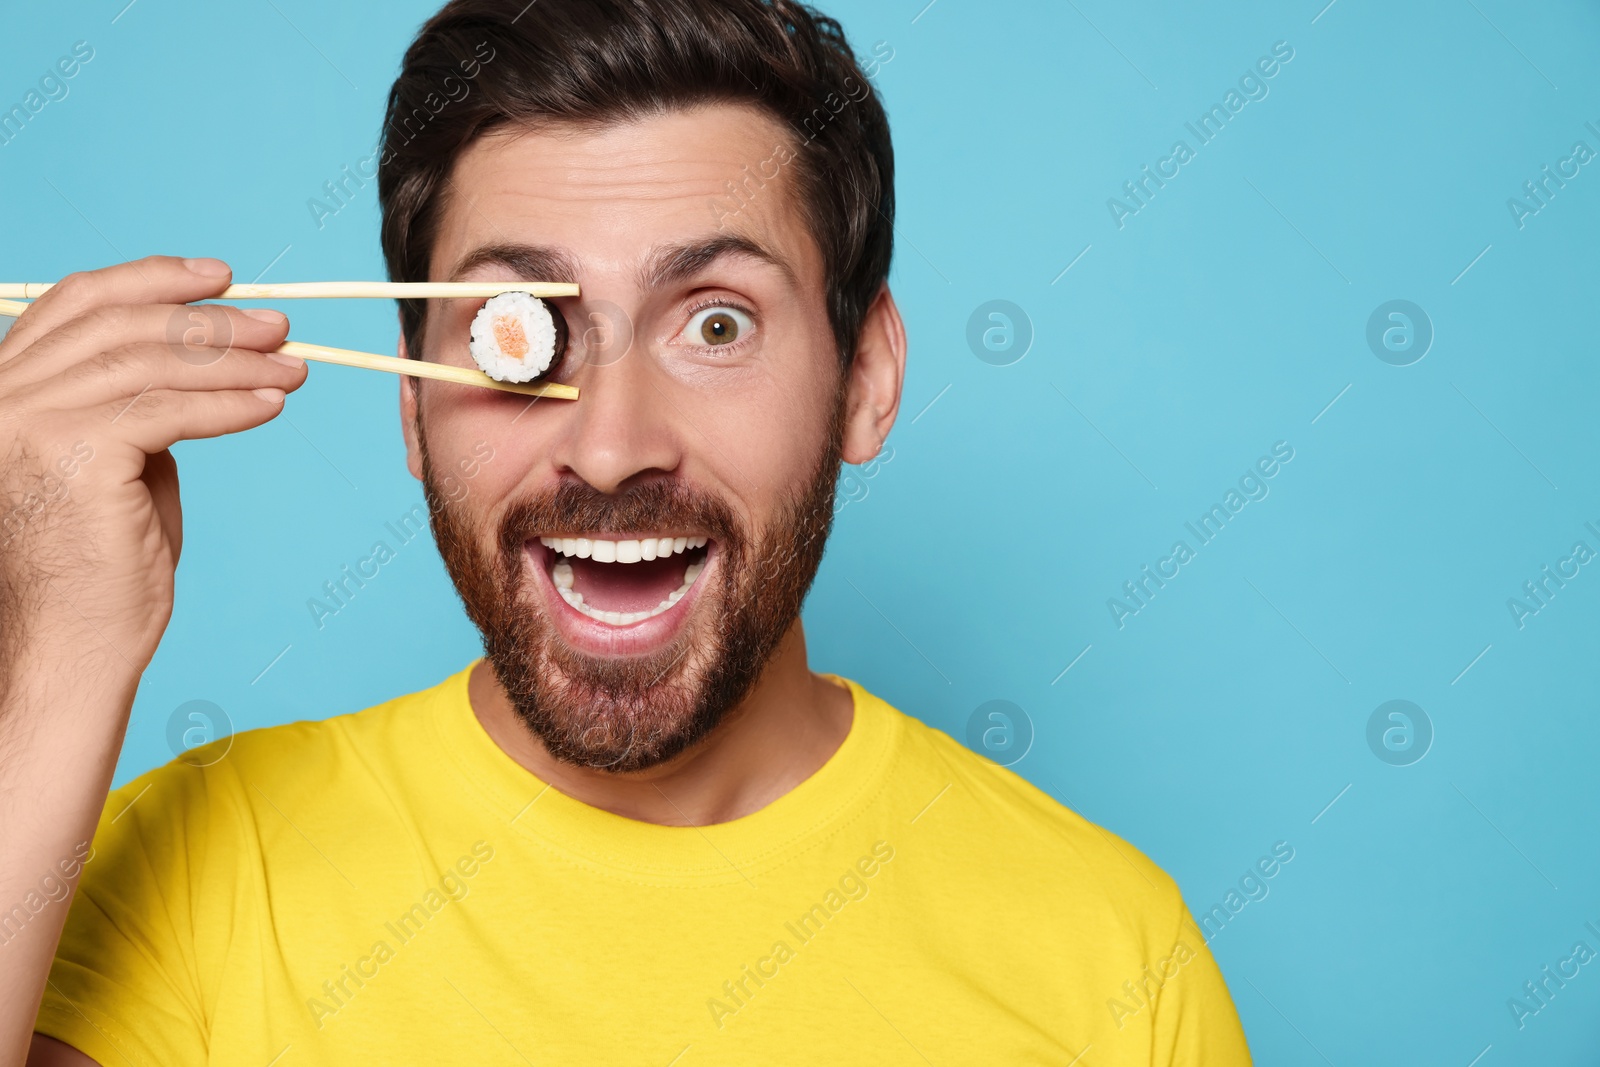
[{"x": 390, "y": 887}]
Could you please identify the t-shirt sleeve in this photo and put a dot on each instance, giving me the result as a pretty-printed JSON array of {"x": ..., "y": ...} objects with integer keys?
[
  {"x": 1195, "y": 1023},
  {"x": 125, "y": 988}
]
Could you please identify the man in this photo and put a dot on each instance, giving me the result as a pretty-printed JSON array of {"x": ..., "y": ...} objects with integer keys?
[{"x": 640, "y": 829}]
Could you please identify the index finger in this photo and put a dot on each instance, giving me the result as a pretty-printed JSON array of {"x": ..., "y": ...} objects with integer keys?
[{"x": 152, "y": 280}]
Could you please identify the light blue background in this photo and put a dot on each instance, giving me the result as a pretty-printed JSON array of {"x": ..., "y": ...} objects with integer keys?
[{"x": 1223, "y": 317}]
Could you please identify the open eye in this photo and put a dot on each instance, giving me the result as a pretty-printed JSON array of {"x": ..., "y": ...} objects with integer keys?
[{"x": 718, "y": 325}]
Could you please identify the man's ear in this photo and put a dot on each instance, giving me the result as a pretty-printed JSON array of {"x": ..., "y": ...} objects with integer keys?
[
  {"x": 408, "y": 416},
  {"x": 876, "y": 376}
]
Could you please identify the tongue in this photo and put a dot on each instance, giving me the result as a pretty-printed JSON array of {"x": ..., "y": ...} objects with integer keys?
[{"x": 626, "y": 587}]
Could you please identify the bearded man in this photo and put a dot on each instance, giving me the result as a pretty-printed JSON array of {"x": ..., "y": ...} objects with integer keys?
[{"x": 639, "y": 829}]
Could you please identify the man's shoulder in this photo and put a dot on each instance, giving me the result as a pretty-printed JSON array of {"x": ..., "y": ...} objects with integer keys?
[
  {"x": 309, "y": 754},
  {"x": 996, "y": 815}
]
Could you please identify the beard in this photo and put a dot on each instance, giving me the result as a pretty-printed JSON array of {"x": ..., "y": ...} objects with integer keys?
[{"x": 633, "y": 712}]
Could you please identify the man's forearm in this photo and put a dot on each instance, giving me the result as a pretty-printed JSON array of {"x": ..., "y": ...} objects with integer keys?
[{"x": 61, "y": 727}]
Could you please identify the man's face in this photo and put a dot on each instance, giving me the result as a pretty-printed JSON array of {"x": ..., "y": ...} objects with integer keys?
[{"x": 707, "y": 434}]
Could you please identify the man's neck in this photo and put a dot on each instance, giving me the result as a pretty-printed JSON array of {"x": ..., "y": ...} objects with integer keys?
[{"x": 788, "y": 726}]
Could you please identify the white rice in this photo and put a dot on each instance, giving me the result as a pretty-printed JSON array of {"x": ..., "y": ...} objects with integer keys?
[{"x": 514, "y": 337}]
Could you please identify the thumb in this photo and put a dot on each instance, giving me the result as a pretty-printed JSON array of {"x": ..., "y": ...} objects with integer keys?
[{"x": 161, "y": 477}]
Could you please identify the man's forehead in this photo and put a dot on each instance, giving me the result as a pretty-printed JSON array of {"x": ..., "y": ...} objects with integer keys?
[{"x": 642, "y": 196}]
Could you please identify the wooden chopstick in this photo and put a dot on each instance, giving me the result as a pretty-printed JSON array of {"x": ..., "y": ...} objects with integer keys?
[
  {"x": 392, "y": 364},
  {"x": 342, "y": 290},
  {"x": 417, "y": 368}
]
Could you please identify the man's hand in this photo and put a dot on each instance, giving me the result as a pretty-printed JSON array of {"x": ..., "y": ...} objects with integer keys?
[{"x": 97, "y": 380}]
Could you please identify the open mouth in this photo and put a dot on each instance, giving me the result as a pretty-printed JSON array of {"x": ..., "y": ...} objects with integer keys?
[{"x": 623, "y": 582}]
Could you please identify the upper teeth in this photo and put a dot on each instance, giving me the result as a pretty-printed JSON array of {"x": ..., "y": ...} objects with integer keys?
[{"x": 603, "y": 551}]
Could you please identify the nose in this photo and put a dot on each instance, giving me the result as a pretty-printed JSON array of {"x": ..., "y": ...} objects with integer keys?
[{"x": 623, "y": 428}]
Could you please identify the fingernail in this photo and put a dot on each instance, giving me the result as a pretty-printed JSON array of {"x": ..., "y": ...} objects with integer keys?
[
  {"x": 271, "y": 396},
  {"x": 277, "y": 318},
  {"x": 213, "y": 268},
  {"x": 285, "y": 359}
]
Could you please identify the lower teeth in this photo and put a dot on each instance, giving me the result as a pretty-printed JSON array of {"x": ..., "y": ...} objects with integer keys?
[{"x": 561, "y": 575}]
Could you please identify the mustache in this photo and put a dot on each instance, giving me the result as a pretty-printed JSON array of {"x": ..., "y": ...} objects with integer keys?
[{"x": 647, "y": 508}]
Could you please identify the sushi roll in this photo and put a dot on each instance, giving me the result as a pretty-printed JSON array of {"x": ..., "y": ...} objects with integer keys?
[{"x": 516, "y": 337}]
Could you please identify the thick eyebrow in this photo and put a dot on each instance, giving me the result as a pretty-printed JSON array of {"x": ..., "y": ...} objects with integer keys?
[
  {"x": 672, "y": 264},
  {"x": 667, "y": 264},
  {"x": 530, "y": 263}
]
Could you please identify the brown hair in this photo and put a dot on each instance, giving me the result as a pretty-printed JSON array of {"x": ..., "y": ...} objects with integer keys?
[{"x": 595, "y": 62}]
